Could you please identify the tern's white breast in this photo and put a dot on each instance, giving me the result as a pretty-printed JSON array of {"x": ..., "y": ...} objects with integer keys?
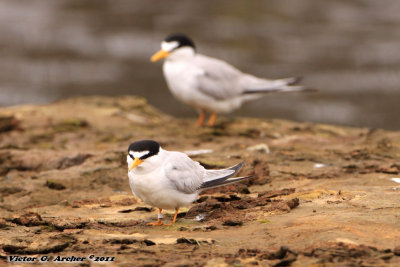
[
  {"x": 181, "y": 79},
  {"x": 155, "y": 189}
]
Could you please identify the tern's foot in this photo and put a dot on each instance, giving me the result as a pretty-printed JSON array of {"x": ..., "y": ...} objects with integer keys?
[
  {"x": 169, "y": 224},
  {"x": 158, "y": 223}
]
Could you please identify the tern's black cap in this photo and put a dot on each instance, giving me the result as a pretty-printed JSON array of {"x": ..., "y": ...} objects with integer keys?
[
  {"x": 182, "y": 39},
  {"x": 145, "y": 145}
]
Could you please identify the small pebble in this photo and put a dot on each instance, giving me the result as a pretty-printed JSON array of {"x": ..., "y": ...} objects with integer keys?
[
  {"x": 319, "y": 165},
  {"x": 262, "y": 148},
  {"x": 396, "y": 251},
  {"x": 397, "y": 180},
  {"x": 199, "y": 217}
]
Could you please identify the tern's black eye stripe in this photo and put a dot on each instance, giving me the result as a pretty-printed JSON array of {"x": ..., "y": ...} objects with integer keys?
[
  {"x": 145, "y": 156},
  {"x": 149, "y": 147},
  {"x": 182, "y": 40}
]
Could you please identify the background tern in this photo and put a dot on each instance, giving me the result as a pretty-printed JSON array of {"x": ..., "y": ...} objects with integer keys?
[{"x": 210, "y": 84}]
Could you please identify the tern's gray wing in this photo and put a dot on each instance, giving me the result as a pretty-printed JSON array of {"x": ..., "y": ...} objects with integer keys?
[
  {"x": 217, "y": 79},
  {"x": 183, "y": 173},
  {"x": 189, "y": 176},
  {"x": 222, "y": 81}
]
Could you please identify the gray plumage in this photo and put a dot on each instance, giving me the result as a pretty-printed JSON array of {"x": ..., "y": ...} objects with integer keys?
[
  {"x": 171, "y": 179},
  {"x": 188, "y": 176},
  {"x": 223, "y": 178}
]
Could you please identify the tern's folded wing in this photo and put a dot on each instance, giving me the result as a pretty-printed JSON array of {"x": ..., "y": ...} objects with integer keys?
[
  {"x": 217, "y": 79},
  {"x": 183, "y": 173}
]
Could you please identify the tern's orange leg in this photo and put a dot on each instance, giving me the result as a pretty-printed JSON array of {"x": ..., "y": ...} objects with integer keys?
[
  {"x": 200, "y": 120},
  {"x": 159, "y": 221},
  {"x": 211, "y": 121},
  {"x": 176, "y": 215}
]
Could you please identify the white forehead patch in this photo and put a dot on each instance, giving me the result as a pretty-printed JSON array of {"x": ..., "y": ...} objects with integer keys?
[
  {"x": 140, "y": 154},
  {"x": 169, "y": 46}
]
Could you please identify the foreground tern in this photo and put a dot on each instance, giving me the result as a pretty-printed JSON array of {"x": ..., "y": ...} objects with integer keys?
[
  {"x": 210, "y": 84},
  {"x": 169, "y": 179}
]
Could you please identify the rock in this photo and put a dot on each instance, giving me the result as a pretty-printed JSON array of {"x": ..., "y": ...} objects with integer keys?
[
  {"x": 54, "y": 185},
  {"x": 294, "y": 202},
  {"x": 261, "y": 148},
  {"x": 396, "y": 251},
  {"x": 146, "y": 209},
  {"x": 5, "y": 191},
  {"x": 29, "y": 219},
  {"x": 68, "y": 162},
  {"x": 13, "y": 249},
  {"x": 148, "y": 242},
  {"x": 3, "y": 224},
  {"x": 211, "y": 228},
  {"x": 280, "y": 253},
  {"x": 232, "y": 223},
  {"x": 275, "y": 193},
  {"x": 191, "y": 241},
  {"x": 46, "y": 247},
  {"x": 201, "y": 199},
  {"x": 61, "y": 224},
  {"x": 227, "y": 198}
]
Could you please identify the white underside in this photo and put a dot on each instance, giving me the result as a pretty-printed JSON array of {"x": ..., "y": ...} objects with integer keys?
[
  {"x": 157, "y": 192},
  {"x": 150, "y": 183}
]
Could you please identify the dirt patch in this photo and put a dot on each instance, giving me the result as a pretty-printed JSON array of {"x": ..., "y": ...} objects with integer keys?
[
  {"x": 72, "y": 161},
  {"x": 8, "y": 123},
  {"x": 320, "y": 194},
  {"x": 333, "y": 253}
]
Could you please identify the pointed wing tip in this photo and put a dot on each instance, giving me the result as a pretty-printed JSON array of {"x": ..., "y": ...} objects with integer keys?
[
  {"x": 295, "y": 80},
  {"x": 240, "y": 165},
  {"x": 222, "y": 180},
  {"x": 245, "y": 177},
  {"x": 236, "y": 179},
  {"x": 237, "y": 167}
]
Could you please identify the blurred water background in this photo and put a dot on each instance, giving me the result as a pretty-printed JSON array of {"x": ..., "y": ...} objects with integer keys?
[{"x": 349, "y": 50}]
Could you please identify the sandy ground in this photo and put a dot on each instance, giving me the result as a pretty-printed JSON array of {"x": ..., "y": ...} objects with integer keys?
[{"x": 321, "y": 195}]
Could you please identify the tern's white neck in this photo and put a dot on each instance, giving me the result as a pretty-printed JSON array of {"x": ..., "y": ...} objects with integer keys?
[{"x": 182, "y": 53}]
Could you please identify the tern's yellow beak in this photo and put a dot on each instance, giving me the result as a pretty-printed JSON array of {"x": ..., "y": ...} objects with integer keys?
[
  {"x": 135, "y": 163},
  {"x": 159, "y": 55}
]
